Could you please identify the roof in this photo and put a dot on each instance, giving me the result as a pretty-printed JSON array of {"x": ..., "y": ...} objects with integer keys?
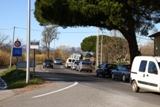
[{"x": 155, "y": 34}]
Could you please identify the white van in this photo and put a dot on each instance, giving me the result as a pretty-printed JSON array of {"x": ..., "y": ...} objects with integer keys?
[
  {"x": 145, "y": 73},
  {"x": 69, "y": 62}
]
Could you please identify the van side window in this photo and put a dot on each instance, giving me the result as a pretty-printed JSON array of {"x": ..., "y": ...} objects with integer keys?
[
  {"x": 152, "y": 68},
  {"x": 142, "y": 66}
]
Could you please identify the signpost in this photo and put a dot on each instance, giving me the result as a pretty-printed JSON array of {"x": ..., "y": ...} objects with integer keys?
[
  {"x": 17, "y": 52},
  {"x": 34, "y": 45}
]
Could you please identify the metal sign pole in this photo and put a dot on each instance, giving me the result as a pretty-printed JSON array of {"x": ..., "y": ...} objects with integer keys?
[
  {"x": 17, "y": 68},
  {"x": 34, "y": 65}
]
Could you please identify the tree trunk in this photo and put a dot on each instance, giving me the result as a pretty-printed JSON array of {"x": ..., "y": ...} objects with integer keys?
[{"x": 132, "y": 42}]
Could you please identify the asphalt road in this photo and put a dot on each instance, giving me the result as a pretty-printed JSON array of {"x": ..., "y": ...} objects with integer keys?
[{"x": 67, "y": 88}]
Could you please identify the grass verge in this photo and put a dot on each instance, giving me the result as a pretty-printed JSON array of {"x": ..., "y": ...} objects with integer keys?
[{"x": 17, "y": 78}]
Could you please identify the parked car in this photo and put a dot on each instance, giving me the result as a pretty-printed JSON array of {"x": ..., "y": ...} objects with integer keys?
[
  {"x": 74, "y": 65},
  {"x": 122, "y": 72},
  {"x": 58, "y": 61},
  {"x": 84, "y": 66},
  {"x": 69, "y": 62},
  {"x": 145, "y": 73},
  {"x": 105, "y": 69},
  {"x": 48, "y": 63}
]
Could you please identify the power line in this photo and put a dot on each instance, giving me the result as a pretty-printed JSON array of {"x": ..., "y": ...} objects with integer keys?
[
  {"x": 6, "y": 29},
  {"x": 41, "y": 30}
]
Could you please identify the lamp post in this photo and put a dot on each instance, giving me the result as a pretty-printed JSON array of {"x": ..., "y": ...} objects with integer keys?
[{"x": 28, "y": 46}]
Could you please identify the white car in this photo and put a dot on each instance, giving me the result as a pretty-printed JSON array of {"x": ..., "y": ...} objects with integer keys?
[{"x": 69, "y": 62}]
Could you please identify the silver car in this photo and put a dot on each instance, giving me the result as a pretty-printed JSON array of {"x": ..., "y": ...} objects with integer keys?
[
  {"x": 84, "y": 66},
  {"x": 58, "y": 61}
]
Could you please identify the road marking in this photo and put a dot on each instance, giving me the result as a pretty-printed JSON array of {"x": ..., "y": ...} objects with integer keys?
[
  {"x": 42, "y": 95},
  {"x": 5, "y": 85}
]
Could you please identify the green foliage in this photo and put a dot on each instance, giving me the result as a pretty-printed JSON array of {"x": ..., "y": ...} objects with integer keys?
[
  {"x": 89, "y": 44},
  {"x": 18, "y": 81},
  {"x": 120, "y": 63}
]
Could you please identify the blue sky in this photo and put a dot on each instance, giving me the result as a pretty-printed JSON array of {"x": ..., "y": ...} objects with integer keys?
[{"x": 14, "y": 13}]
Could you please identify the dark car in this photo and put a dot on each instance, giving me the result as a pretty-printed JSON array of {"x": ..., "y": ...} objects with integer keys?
[
  {"x": 122, "y": 72},
  {"x": 58, "y": 61},
  {"x": 74, "y": 65},
  {"x": 105, "y": 69},
  {"x": 48, "y": 63},
  {"x": 84, "y": 66}
]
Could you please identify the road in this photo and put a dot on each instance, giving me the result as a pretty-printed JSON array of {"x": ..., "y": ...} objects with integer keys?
[{"x": 67, "y": 88}]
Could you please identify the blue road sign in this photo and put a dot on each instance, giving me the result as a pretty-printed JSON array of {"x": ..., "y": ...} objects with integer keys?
[{"x": 17, "y": 52}]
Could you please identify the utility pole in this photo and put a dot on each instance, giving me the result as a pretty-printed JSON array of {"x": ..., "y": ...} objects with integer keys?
[
  {"x": 12, "y": 44},
  {"x": 28, "y": 46},
  {"x": 97, "y": 49},
  {"x": 101, "y": 50}
]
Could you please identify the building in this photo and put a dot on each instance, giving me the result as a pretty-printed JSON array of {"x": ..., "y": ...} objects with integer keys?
[{"x": 156, "y": 38}]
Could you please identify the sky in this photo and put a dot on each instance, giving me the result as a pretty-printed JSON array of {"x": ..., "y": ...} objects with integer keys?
[{"x": 14, "y": 14}]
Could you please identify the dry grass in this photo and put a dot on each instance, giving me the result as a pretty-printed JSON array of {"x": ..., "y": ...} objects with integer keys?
[{"x": 5, "y": 58}]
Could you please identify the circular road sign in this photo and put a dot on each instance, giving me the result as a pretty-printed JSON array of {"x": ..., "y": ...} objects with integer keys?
[{"x": 17, "y": 43}]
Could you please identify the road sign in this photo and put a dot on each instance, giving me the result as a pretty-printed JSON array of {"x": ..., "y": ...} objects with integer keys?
[
  {"x": 17, "y": 52},
  {"x": 34, "y": 44},
  {"x": 17, "y": 43}
]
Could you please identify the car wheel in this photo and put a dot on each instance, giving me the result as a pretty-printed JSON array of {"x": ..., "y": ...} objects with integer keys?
[
  {"x": 123, "y": 77},
  {"x": 113, "y": 77},
  {"x": 135, "y": 88},
  {"x": 90, "y": 71}
]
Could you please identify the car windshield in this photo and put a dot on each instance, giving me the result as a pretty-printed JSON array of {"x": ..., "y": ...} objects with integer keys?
[
  {"x": 85, "y": 63},
  {"x": 58, "y": 59},
  {"x": 76, "y": 62},
  {"x": 47, "y": 60}
]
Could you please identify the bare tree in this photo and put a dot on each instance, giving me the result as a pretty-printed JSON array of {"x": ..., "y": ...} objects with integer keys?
[
  {"x": 49, "y": 34},
  {"x": 147, "y": 48},
  {"x": 64, "y": 51},
  {"x": 3, "y": 39}
]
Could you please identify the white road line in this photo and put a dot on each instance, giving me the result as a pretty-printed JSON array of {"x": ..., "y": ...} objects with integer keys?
[{"x": 42, "y": 95}]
